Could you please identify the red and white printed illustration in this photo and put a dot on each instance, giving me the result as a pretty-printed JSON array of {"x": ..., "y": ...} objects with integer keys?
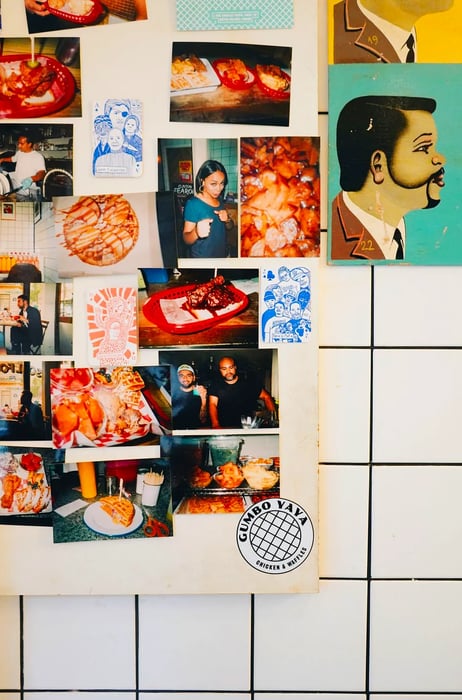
[{"x": 112, "y": 326}]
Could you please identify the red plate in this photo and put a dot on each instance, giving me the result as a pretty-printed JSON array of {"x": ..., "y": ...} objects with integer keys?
[
  {"x": 91, "y": 17},
  {"x": 275, "y": 94},
  {"x": 61, "y": 91},
  {"x": 154, "y": 309},
  {"x": 234, "y": 84}
]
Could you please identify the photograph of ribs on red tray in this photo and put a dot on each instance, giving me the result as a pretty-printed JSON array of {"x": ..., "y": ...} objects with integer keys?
[{"x": 198, "y": 307}]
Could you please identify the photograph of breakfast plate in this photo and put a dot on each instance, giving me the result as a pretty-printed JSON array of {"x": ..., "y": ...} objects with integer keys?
[
  {"x": 129, "y": 498},
  {"x": 38, "y": 84},
  {"x": 199, "y": 307},
  {"x": 101, "y": 522},
  {"x": 25, "y": 480},
  {"x": 241, "y": 97},
  {"x": 71, "y": 14},
  {"x": 24, "y": 486},
  {"x": 107, "y": 407}
]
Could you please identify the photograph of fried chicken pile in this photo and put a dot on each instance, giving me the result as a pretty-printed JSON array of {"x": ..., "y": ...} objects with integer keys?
[
  {"x": 23, "y": 484},
  {"x": 280, "y": 197},
  {"x": 98, "y": 408}
]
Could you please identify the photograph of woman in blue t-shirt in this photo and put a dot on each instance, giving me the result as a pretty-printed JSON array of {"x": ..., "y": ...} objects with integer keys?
[{"x": 205, "y": 217}]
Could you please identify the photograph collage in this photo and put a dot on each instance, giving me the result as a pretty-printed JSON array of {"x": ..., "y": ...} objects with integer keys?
[{"x": 158, "y": 274}]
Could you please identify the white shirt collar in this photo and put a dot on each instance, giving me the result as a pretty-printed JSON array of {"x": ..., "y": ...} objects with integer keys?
[
  {"x": 395, "y": 35},
  {"x": 381, "y": 231}
]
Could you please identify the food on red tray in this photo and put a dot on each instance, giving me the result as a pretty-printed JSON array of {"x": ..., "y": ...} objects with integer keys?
[
  {"x": 100, "y": 229},
  {"x": 30, "y": 80},
  {"x": 31, "y": 461},
  {"x": 272, "y": 77},
  {"x": 280, "y": 197},
  {"x": 211, "y": 295},
  {"x": 11, "y": 483},
  {"x": 72, "y": 7},
  {"x": 214, "y": 504},
  {"x": 120, "y": 510},
  {"x": 200, "y": 478},
  {"x": 229, "y": 476},
  {"x": 233, "y": 69}
]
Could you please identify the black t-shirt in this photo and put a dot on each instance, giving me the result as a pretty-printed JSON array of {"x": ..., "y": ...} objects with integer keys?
[
  {"x": 186, "y": 406},
  {"x": 235, "y": 400}
]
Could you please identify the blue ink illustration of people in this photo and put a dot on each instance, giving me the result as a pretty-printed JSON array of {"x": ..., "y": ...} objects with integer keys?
[
  {"x": 286, "y": 308},
  {"x": 117, "y": 137},
  {"x": 390, "y": 156}
]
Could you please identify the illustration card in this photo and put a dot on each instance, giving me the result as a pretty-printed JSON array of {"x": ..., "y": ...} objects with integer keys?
[
  {"x": 110, "y": 500},
  {"x": 112, "y": 326},
  {"x": 198, "y": 307},
  {"x": 285, "y": 304},
  {"x": 280, "y": 196},
  {"x": 394, "y": 170},
  {"x": 117, "y": 138},
  {"x": 230, "y": 83},
  {"x": 201, "y": 15}
]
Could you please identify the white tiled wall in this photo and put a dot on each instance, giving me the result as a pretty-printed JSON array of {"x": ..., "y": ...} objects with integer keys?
[{"x": 387, "y": 622}]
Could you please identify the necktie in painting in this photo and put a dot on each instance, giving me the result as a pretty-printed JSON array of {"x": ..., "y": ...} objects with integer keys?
[
  {"x": 399, "y": 242},
  {"x": 410, "y": 58}
]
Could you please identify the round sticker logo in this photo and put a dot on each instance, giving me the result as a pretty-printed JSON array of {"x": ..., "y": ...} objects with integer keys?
[{"x": 275, "y": 535}]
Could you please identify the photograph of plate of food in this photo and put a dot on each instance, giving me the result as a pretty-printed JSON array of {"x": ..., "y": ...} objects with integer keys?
[
  {"x": 33, "y": 88},
  {"x": 234, "y": 73},
  {"x": 24, "y": 486},
  {"x": 98, "y": 408},
  {"x": 192, "y": 75},
  {"x": 195, "y": 307},
  {"x": 77, "y": 11},
  {"x": 273, "y": 80},
  {"x": 114, "y": 516}
]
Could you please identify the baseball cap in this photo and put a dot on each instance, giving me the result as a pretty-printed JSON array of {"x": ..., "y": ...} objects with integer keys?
[{"x": 188, "y": 368}]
